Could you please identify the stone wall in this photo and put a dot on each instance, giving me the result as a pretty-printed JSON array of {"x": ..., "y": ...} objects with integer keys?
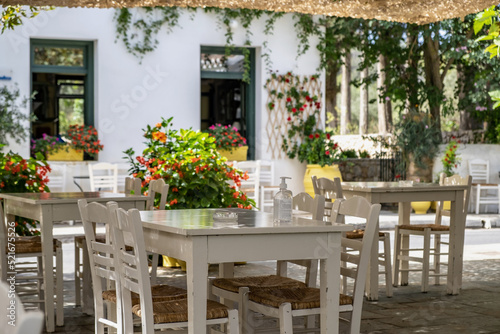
[{"x": 360, "y": 170}]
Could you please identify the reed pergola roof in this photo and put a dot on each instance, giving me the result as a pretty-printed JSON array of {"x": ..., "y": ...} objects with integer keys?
[{"x": 411, "y": 11}]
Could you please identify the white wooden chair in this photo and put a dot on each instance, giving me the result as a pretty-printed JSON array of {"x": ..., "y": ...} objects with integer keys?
[
  {"x": 332, "y": 189},
  {"x": 107, "y": 312},
  {"x": 26, "y": 322},
  {"x": 27, "y": 252},
  {"x": 132, "y": 268},
  {"x": 284, "y": 303},
  {"x": 250, "y": 186},
  {"x": 57, "y": 177},
  {"x": 268, "y": 186},
  {"x": 228, "y": 288},
  {"x": 103, "y": 176},
  {"x": 82, "y": 264},
  {"x": 105, "y": 280},
  {"x": 132, "y": 185},
  {"x": 483, "y": 192},
  {"x": 437, "y": 230},
  {"x": 157, "y": 191}
]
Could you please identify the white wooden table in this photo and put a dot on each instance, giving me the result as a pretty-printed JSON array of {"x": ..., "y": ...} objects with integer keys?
[
  {"x": 192, "y": 236},
  {"x": 48, "y": 208},
  {"x": 392, "y": 192}
]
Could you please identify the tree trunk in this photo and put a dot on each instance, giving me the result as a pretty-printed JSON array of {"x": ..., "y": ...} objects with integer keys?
[
  {"x": 384, "y": 105},
  {"x": 467, "y": 122},
  {"x": 331, "y": 90},
  {"x": 345, "y": 89},
  {"x": 363, "y": 103},
  {"x": 433, "y": 79},
  {"x": 411, "y": 75}
]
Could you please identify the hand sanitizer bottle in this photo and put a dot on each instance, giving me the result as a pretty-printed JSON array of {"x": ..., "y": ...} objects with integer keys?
[{"x": 282, "y": 210}]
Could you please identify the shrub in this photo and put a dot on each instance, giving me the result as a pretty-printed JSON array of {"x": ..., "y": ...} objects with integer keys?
[{"x": 188, "y": 161}]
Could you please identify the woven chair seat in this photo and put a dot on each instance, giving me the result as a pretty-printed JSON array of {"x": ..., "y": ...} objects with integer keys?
[
  {"x": 99, "y": 238},
  {"x": 301, "y": 298},
  {"x": 32, "y": 244},
  {"x": 271, "y": 281},
  {"x": 177, "y": 311},
  {"x": 358, "y": 234},
  {"x": 421, "y": 227},
  {"x": 159, "y": 293}
]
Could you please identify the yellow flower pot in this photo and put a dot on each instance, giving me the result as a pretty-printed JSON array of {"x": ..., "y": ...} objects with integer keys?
[
  {"x": 66, "y": 155},
  {"x": 421, "y": 208},
  {"x": 326, "y": 171},
  {"x": 238, "y": 153},
  {"x": 171, "y": 262}
]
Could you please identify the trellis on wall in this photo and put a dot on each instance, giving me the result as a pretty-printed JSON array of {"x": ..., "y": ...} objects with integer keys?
[{"x": 289, "y": 97}]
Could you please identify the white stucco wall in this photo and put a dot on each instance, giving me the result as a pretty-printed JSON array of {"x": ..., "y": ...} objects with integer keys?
[{"x": 129, "y": 95}]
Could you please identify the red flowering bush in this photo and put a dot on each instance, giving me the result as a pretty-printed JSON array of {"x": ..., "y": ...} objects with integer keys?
[
  {"x": 226, "y": 136},
  {"x": 199, "y": 177},
  {"x": 84, "y": 137},
  {"x": 19, "y": 175},
  {"x": 304, "y": 139},
  {"x": 450, "y": 158}
]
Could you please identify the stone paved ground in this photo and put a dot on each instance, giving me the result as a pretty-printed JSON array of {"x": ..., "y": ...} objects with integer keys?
[{"x": 475, "y": 310}]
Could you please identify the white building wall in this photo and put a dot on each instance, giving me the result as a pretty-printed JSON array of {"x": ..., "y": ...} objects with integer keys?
[{"x": 130, "y": 94}]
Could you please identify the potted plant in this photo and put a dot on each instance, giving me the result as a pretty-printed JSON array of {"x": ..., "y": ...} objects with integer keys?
[
  {"x": 304, "y": 139},
  {"x": 20, "y": 175},
  {"x": 72, "y": 145},
  {"x": 188, "y": 161},
  {"x": 450, "y": 161},
  {"x": 229, "y": 142},
  {"x": 418, "y": 139}
]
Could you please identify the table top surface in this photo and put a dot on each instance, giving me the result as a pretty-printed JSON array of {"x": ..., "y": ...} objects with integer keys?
[
  {"x": 396, "y": 187},
  {"x": 70, "y": 197},
  {"x": 201, "y": 222}
]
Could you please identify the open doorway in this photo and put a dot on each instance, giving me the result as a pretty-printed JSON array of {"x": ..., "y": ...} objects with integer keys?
[{"x": 225, "y": 97}]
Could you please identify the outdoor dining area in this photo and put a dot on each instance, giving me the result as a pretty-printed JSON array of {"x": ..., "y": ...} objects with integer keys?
[{"x": 337, "y": 230}]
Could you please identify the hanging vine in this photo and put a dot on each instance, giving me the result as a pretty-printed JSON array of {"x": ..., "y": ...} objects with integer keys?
[{"x": 139, "y": 36}]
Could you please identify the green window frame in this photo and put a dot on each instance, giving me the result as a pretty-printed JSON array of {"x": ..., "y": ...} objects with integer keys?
[
  {"x": 249, "y": 89},
  {"x": 87, "y": 69}
]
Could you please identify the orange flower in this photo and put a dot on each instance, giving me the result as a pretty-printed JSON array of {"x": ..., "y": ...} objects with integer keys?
[
  {"x": 158, "y": 135},
  {"x": 174, "y": 201},
  {"x": 158, "y": 125}
]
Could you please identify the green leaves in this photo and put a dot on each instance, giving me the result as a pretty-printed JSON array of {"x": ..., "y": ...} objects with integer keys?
[
  {"x": 495, "y": 96},
  {"x": 485, "y": 17},
  {"x": 188, "y": 161},
  {"x": 12, "y": 16}
]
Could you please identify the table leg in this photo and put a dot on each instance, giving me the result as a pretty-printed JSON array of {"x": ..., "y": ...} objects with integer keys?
[
  {"x": 404, "y": 210},
  {"x": 330, "y": 286},
  {"x": 371, "y": 286},
  {"x": 46, "y": 224},
  {"x": 456, "y": 247},
  {"x": 197, "y": 276}
]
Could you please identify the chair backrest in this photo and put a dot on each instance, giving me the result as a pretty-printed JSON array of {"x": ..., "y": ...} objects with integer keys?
[
  {"x": 304, "y": 202},
  {"x": 57, "y": 177},
  {"x": 103, "y": 176},
  {"x": 157, "y": 189},
  {"x": 101, "y": 255},
  {"x": 330, "y": 189},
  {"x": 479, "y": 169},
  {"x": 132, "y": 185},
  {"x": 123, "y": 173},
  {"x": 132, "y": 267},
  {"x": 267, "y": 173},
  {"x": 358, "y": 207},
  {"x": 26, "y": 322},
  {"x": 252, "y": 184},
  {"x": 453, "y": 180}
]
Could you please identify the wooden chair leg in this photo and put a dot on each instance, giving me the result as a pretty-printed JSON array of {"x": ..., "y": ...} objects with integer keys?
[
  {"x": 437, "y": 258},
  {"x": 59, "y": 288},
  {"x": 388, "y": 266},
  {"x": 397, "y": 251},
  {"x": 286, "y": 323},
  {"x": 78, "y": 298},
  {"x": 154, "y": 268},
  {"x": 426, "y": 259}
]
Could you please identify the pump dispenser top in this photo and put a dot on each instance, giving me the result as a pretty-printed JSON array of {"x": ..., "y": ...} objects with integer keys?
[{"x": 282, "y": 209}]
